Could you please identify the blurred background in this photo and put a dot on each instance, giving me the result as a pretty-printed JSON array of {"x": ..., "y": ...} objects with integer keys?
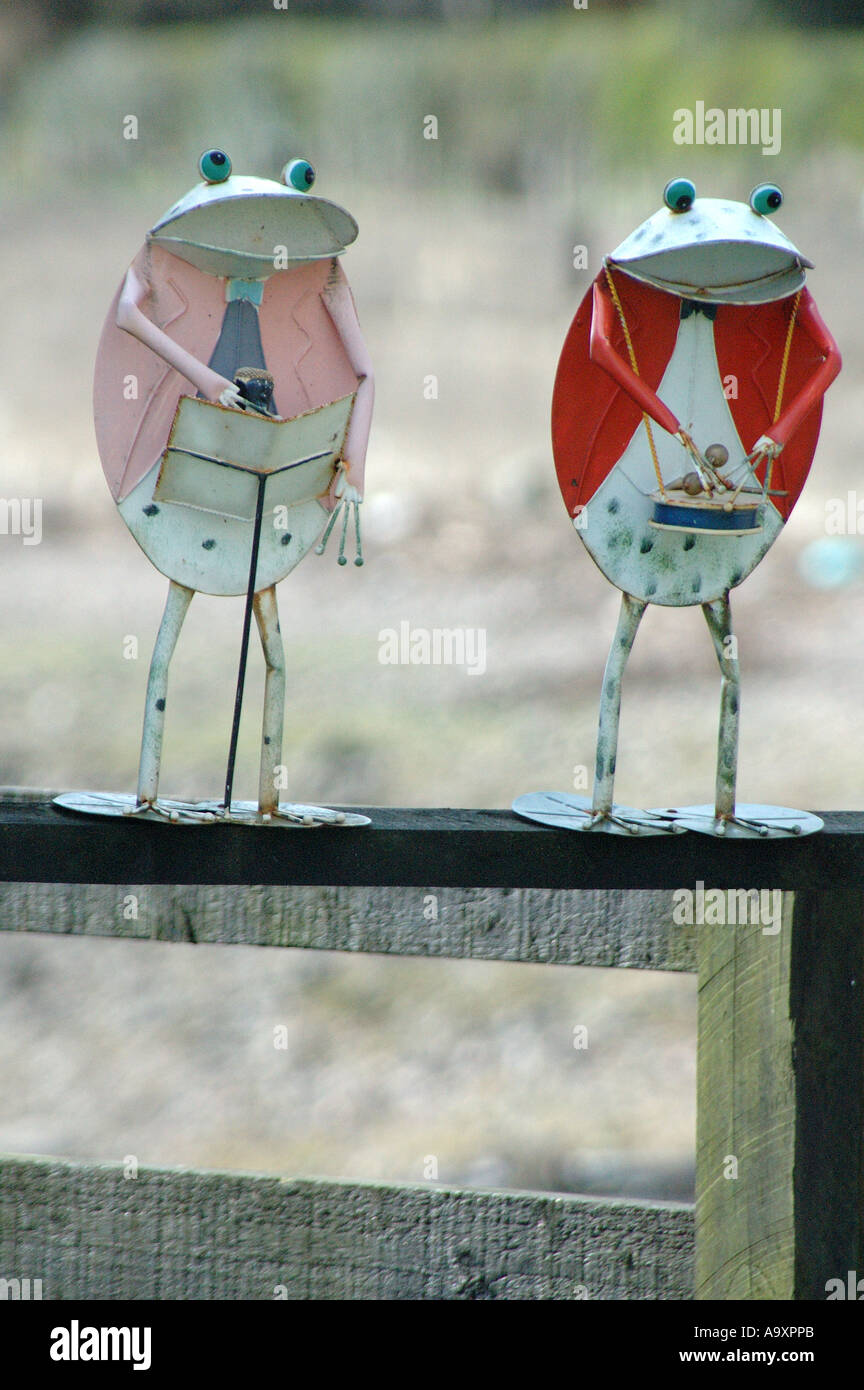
[{"x": 554, "y": 130}]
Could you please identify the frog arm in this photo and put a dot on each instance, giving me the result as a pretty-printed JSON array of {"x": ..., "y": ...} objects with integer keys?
[
  {"x": 339, "y": 303},
  {"x": 801, "y": 404},
  {"x": 132, "y": 319},
  {"x": 604, "y": 355}
]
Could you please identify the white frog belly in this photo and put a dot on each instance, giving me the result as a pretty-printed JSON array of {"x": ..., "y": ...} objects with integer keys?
[
  {"x": 668, "y": 567},
  {"x": 211, "y": 553}
]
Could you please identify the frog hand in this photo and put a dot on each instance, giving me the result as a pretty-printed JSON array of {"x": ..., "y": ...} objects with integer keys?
[
  {"x": 765, "y": 447},
  {"x": 342, "y": 489},
  {"x": 346, "y": 504},
  {"x": 231, "y": 397}
]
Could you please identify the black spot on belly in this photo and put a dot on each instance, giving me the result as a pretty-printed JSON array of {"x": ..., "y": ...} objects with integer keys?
[
  {"x": 266, "y": 738},
  {"x": 689, "y": 542},
  {"x": 736, "y": 578},
  {"x": 160, "y": 705},
  {"x": 613, "y": 505},
  {"x": 208, "y": 545},
  {"x": 151, "y": 509},
  {"x": 652, "y": 587},
  {"x": 646, "y": 545},
  {"x": 697, "y": 584},
  {"x": 286, "y": 539},
  {"x": 622, "y": 540}
]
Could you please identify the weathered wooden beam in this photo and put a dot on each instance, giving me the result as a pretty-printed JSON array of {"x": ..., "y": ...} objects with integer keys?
[
  {"x": 745, "y": 1126},
  {"x": 552, "y": 927},
  {"x": 411, "y": 848},
  {"x": 780, "y": 1106},
  {"x": 88, "y": 1232},
  {"x": 826, "y": 990}
]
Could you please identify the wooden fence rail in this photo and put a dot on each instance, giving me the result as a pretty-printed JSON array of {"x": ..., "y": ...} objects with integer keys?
[
  {"x": 92, "y": 1234},
  {"x": 780, "y": 1153}
]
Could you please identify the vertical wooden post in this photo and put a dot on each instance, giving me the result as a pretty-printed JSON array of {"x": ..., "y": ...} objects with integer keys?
[
  {"x": 780, "y": 1143},
  {"x": 828, "y": 1012},
  {"x": 745, "y": 1126}
]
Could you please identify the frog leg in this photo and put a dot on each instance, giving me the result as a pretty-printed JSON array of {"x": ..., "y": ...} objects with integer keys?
[
  {"x": 727, "y": 817},
  {"x": 629, "y": 619},
  {"x": 601, "y": 814},
  {"x": 176, "y": 607},
  {"x": 718, "y": 616},
  {"x": 267, "y": 618}
]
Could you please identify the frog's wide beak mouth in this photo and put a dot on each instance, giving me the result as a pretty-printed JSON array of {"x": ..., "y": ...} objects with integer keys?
[
  {"x": 251, "y": 235},
  {"x": 721, "y": 272}
]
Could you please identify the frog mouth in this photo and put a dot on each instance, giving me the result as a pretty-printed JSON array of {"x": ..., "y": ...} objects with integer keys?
[
  {"x": 251, "y": 234},
  {"x": 721, "y": 272}
]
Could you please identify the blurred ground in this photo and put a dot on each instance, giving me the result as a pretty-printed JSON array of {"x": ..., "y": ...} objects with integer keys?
[
  {"x": 166, "y": 1052},
  {"x": 415, "y": 1070}
]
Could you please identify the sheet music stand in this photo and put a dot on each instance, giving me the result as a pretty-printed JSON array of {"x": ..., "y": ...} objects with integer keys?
[{"x": 237, "y": 464}]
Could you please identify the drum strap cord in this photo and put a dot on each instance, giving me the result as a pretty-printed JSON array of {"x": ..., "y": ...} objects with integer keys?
[{"x": 613, "y": 290}]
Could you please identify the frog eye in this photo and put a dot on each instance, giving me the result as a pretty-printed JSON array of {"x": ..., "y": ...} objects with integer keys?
[
  {"x": 678, "y": 195},
  {"x": 299, "y": 174},
  {"x": 766, "y": 198},
  {"x": 214, "y": 166}
]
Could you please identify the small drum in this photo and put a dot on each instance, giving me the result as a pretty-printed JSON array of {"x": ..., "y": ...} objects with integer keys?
[{"x": 677, "y": 510}]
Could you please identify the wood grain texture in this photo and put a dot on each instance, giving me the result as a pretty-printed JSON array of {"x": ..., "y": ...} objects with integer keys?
[
  {"x": 88, "y": 1233},
  {"x": 554, "y": 927},
  {"x": 410, "y": 848},
  {"x": 745, "y": 1234}
]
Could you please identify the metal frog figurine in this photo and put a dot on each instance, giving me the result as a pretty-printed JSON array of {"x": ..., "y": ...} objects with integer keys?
[
  {"x": 238, "y": 295},
  {"x": 700, "y": 316}
]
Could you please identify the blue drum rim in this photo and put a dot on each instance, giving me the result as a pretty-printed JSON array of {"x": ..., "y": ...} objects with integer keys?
[{"x": 675, "y": 516}]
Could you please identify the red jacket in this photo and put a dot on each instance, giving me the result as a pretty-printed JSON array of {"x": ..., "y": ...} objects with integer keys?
[{"x": 598, "y": 401}]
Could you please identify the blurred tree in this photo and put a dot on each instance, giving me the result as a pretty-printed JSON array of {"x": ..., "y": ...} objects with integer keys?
[
  {"x": 825, "y": 13},
  {"x": 706, "y": 16},
  {"x": 69, "y": 14},
  {"x": 60, "y": 15}
]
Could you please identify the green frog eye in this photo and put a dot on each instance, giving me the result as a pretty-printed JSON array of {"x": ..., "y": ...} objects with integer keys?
[
  {"x": 214, "y": 166},
  {"x": 766, "y": 198},
  {"x": 299, "y": 174},
  {"x": 678, "y": 195}
]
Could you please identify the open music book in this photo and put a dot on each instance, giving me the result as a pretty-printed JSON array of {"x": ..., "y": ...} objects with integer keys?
[{"x": 216, "y": 455}]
